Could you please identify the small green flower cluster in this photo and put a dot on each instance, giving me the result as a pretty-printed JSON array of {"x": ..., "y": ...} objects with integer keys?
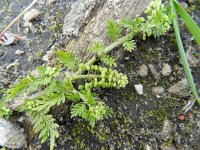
[
  {"x": 104, "y": 77},
  {"x": 158, "y": 19}
]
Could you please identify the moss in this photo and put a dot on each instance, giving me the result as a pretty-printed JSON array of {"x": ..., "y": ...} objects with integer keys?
[
  {"x": 38, "y": 54},
  {"x": 159, "y": 116},
  {"x": 127, "y": 120},
  {"x": 56, "y": 27},
  {"x": 188, "y": 127},
  {"x": 102, "y": 136},
  {"x": 191, "y": 8},
  {"x": 169, "y": 142}
]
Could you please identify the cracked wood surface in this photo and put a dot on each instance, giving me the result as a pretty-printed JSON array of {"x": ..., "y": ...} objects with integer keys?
[{"x": 95, "y": 28}]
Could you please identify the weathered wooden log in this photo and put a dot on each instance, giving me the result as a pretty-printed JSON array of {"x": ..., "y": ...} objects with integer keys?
[{"x": 86, "y": 23}]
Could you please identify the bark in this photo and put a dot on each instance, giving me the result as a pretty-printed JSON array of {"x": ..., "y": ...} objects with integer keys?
[{"x": 87, "y": 25}]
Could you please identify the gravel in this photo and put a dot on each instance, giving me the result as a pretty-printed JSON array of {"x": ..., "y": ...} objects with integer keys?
[
  {"x": 166, "y": 70},
  {"x": 143, "y": 71},
  {"x": 139, "y": 88}
]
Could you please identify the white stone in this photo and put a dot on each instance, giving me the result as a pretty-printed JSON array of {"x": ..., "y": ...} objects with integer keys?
[
  {"x": 192, "y": 60},
  {"x": 166, "y": 70},
  {"x": 159, "y": 90},
  {"x": 139, "y": 88},
  {"x": 19, "y": 52},
  {"x": 31, "y": 15},
  {"x": 10, "y": 136},
  {"x": 154, "y": 72},
  {"x": 143, "y": 71},
  {"x": 180, "y": 88},
  {"x": 30, "y": 58},
  {"x": 15, "y": 65},
  {"x": 21, "y": 119},
  {"x": 52, "y": 1}
]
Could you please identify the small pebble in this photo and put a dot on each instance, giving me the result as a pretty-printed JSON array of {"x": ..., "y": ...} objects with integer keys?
[
  {"x": 147, "y": 147},
  {"x": 167, "y": 130},
  {"x": 177, "y": 138},
  {"x": 31, "y": 15},
  {"x": 15, "y": 65},
  {"x": 143, "y": 71},
  {"x": 158, "y": 96},
  {"x": 19, "y": 52},
  {"x": 154, "y": 72},
  {"x": 139, "y": 88},
  {"x": 190, "y": 1},
  {"x": 21, "y": 119},
  {"x": 52, "y": 1},
  {"x": 158, "y": 90},
  {"x": 166, "y": 70},
  {"x": 167, "y": 147},
  {"x": 184, "y": 5},
  {"x": 30, "y": 58},
  {"x": 126, "y": 58},
  {"x": 11, "y": 136},
  {"x": 192, "y": 60},
  {"x": 180, "y": 88}
]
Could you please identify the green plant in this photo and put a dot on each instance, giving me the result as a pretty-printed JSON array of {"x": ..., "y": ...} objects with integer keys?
[
  {"x": 5, "y": 112},
  {"x": 73, "y": 80},
  {"x": 195, "y": 31},
  {"x": 189, "y": 22}
]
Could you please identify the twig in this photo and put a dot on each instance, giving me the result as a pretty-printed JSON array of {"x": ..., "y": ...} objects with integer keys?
[
  {"x": 19, "y": 16},
  {"x": 188, "y": 106}
]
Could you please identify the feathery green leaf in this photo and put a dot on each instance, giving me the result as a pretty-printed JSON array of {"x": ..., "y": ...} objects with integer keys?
[
  {"x": 129, "y": 45},
  {"x": 189, "y": 22},
  {"x": 133, "y": 25},
  {"x": 114, "y": 30},
  {"x": 67, "y": 58},
  {"x": 91, "y": 113},
  {"x": 17, "y": 89},
  {"x": 97, "y": 47},
  {"x": 110, "y": 61}
]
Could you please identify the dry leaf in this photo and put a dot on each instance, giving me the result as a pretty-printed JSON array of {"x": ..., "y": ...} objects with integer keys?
[
  {"x": 9, "y": 38},
  {"x": 181, "y": 117}
]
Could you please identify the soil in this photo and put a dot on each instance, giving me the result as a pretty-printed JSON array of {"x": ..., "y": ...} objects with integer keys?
[{"x": 144, "y": 121}]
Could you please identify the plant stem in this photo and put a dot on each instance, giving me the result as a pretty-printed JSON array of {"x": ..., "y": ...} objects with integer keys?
[
  {"x": 19, "y": 16},
  {"x": 86, "y": 76},
  {"x": 117, "y": 43},
  {"x": 20, "y": 101},
  {"x": 108, "y": 49},
  {"x": 182, "y": 53},
  {"x": 83, "y": 97}
]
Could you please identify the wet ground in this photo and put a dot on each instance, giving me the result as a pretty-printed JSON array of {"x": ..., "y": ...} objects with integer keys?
[{"x": 138, "y": 121}]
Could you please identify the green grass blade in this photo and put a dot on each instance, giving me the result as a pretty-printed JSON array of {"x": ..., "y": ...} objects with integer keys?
[
  {"x": 189, "y": 22},
  {"x": 182, "y": 53}
]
